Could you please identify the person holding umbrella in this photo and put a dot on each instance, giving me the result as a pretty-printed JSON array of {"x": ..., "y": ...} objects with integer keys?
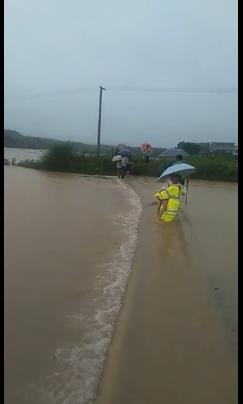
[
  {"x": 169, "y": 199},
  {"x": 179, "y": 159},
  {"x": 182, "y": 169},
  {"x": 126, "y": 154},
  {"x": 119, "y": 168},
  {"x": 118, "y": 160},
  {"x": 124, "y": 163}
]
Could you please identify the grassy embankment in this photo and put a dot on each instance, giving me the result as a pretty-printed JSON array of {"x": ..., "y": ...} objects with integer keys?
[{"x": 62, "y": 158}]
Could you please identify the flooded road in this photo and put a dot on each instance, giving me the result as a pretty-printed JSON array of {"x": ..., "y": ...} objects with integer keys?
[
  {"x": 69, "y": 248},
  {"x": 67, "y": 240},
  {"x": 175, "y": 341}
]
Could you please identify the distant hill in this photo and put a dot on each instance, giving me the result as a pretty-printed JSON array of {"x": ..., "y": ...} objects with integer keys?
[{"x": 14, "y": 139}]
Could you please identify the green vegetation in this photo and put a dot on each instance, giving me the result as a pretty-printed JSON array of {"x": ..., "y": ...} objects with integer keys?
[
  {"x": 189, "y": 147},
  {"x": 216, "y": 167},
  {"x": 61, "y": 157}
]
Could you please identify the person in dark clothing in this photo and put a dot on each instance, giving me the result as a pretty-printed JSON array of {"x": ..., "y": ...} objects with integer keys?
[{"x": 179, "y": 158}]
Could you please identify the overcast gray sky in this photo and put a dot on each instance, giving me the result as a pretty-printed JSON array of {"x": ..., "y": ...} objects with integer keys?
[{"x": 57, "y": 53}]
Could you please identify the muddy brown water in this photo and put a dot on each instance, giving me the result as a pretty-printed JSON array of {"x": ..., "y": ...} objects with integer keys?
[
  {"x": 65, "y": 237},
  {"x": 69, "y": 242},
  {"x": 176, "y": 337}
]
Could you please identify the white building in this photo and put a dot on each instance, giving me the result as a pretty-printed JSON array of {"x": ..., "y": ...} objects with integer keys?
[
  {"x": 222, "y": 147},
  {"x": 235, "y": 152}
]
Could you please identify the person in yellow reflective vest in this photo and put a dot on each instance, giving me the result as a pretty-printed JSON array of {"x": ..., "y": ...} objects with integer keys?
[{"x": 169, "y": 199}]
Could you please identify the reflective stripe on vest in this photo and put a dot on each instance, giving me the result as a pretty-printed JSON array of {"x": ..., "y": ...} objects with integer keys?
[{"x": 168, "y": 194}]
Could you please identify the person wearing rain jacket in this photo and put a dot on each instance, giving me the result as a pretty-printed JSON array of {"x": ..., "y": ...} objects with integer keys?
[
  {"x": 119, "y": 168},
  {"x": 169, "y": 199}
]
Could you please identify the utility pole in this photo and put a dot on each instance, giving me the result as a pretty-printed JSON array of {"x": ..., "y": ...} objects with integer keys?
[{"x": 99, "y": 121}]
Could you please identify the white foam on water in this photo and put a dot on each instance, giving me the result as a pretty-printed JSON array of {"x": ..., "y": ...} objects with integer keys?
[{"x": 82, "y": 364}]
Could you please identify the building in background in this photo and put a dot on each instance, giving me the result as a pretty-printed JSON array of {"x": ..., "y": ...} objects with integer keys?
[
  {"x": 235, "y": 152},
  {"x": 204, "y": 148},
  {"x": 173, "y": 152},
  {"x": 221, "y": 147}
]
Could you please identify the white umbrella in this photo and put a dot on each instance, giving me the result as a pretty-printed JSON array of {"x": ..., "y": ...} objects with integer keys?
[
  {"x": 117, "y": 158},
  {"x": 183, "y": 169}
]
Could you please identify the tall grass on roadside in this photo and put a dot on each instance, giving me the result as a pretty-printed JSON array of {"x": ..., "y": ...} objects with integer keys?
[{"x": 63, "y": 158}]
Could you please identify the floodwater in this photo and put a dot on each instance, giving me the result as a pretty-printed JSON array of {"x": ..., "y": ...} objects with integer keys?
[
  {"x": 69, "y": 243},
  {"x": 175, "y": 340},
  {"x": 207, "y": 233},
  {"x": 22, "y": 154},
  {"x": 69, "y": 248}
]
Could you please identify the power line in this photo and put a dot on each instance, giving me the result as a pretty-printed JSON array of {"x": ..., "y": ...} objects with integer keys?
[
  {"x": 216, "y": 90},
  {"x": 53, "y": 93},
  {"x": 220, "y": 90}
]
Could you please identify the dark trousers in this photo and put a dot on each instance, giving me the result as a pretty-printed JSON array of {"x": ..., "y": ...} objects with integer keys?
[{"x": 123, "y": 171}]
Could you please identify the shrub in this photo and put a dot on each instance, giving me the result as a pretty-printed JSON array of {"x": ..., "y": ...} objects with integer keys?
[
  {"x": 63, "y": 158},
  {"x": 60, "y": 157}
]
